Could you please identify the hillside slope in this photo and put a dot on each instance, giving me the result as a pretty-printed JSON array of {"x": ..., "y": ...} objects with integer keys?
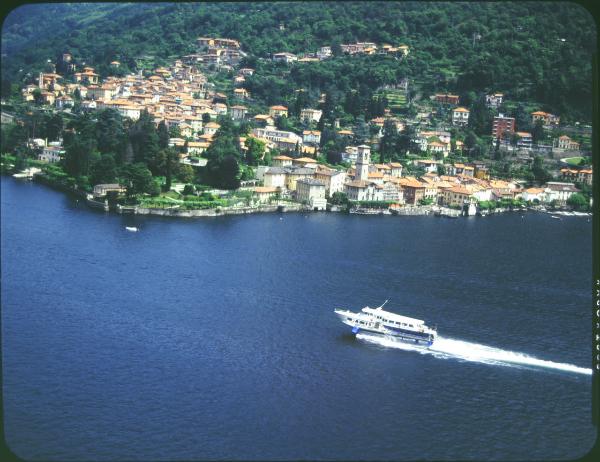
[{"x": 531, "y": 50}]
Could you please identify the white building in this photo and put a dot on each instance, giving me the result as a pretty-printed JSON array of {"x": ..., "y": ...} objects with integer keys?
[
  {"x": 439, "y": 147},
  {"x": 219, "y": 108},
  {"x": 350, "y": 154},
  {"x": 281, "y": 138},
  {"x": 324, "y": 53},
  {"x": 363, "y": 189},
  {"x": 481, "y": 193},
  {"x": 531, "y": 194},
  {"x": 391, "y": 192},
  {"x": 524, "y": 140},
  {"x": 565, "y": 143},
  {"x": 282, "y": 161},
  {"x": 430, "y": 165},
  {"x": 395, "y": 169},
  {"x": 333, "y": 179},
  {"x": 460, "y": 116},
  {"x": 265, "y": 194},
  {"x": 311, "y": 192},
  {"x": 494, "y": 101},
  {"x": 360, "y": 190},
  {"x": 559, "y": 192},
  {"x": 274, "y": 177},
  {"x": 238, "y": 112},
  {"x": 211, "y": 128},
  {"x": 311, "y": 137},
  {"x": 362, "y": 162},
  {"x": 51, "y": 154},
  {"x": 310, "y": 115},
  {"x": 423, "y": 137},
  {"x": 88, "y": 105},
  {"x": 101, "y": 190},
  {"x": 284, "y": 57},
  {"x": 64, "y": 102}
]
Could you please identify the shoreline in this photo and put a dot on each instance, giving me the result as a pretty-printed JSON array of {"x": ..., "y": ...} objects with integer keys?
[{"x": 427, "y": 210}]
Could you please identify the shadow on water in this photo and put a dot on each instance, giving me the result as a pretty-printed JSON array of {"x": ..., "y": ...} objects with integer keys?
[{"x": 347, "y": 339}]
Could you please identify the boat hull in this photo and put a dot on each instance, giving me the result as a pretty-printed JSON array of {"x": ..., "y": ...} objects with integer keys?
[{"x": 415, "y": 340}]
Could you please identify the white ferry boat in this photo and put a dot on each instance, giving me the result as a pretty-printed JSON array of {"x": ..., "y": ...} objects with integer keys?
[{"x": 384, "y": 322}]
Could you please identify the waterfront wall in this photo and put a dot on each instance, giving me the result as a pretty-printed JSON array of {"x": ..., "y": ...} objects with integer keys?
[
  {"x": 212, "y": 212},
  {"x": 414, "y": 210}
]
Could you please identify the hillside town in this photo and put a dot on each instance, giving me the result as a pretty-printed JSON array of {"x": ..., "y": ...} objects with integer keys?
[{"x": 437, "y": 170}]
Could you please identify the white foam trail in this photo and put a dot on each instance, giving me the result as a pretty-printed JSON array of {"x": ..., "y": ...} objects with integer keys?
[{"x": 450, "y": 348}]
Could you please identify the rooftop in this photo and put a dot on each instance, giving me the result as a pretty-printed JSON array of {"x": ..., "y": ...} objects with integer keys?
[{"x": 311, "y": 182}]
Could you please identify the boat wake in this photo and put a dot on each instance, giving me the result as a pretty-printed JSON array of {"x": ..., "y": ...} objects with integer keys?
[{"x": 447, "y": 348}]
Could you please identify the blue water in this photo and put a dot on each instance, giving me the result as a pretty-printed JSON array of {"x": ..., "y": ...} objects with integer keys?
[{"x": 216, "y": 339}]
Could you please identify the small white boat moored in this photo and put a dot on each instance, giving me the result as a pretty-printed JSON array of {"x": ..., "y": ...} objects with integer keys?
[
  {"x": 133, "y": 229},
  {"x": 384, "y": 322}
]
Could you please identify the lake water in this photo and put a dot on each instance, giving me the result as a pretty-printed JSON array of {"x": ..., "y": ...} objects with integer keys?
[{"x": 216, "y": 339}]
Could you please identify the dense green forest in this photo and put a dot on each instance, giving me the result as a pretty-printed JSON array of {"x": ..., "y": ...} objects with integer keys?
[{"x": 531, "y": 51}]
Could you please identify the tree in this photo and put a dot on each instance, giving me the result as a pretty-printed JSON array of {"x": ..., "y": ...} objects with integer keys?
[
  {"x": 405, "y": 141},
  {"x": 78, "y": 154},
  {"x": 468, "y": 98},
  {"x": 185, "y": 173},
  {"x": 522, "y": 119},
  {"x": 103, "y": 170},
  {"x": 352, "y": 103},
  {"x": 144, "y": 141},
  {"x": 328, "y": 108},
  {"x": 6, "y": 88},
  {"x": 37, "y": 97},
  {"x": 189, "y": 190},
  {"x": 53, "y": 126},
  {"x": 283, "y": 123},
  {"x": 138, "y": 179},
  {"x": 255, "y": 151},
  {"x": 222, "y": 169},
  {"x": 247, "y": 173},
  {"x": 163, "y": 135},
  {"x": 470, "y": 140},
  {"x": 174, "y": 132},
  {"x": 578, "y": 201},
  {"x": 170, "y": 166},
  {"x": 480, "y": 117},
  {"x": 13, "y": 135},
  {"x": 376, "y": 107},
  {"x": 539, "y": 171},
  {"x": 336, "y": 49},
  {"x": 301, "y": 102},
  {"x": 387, "y": 144},
  {"x": 229, "y": 173},
  {"x": 267, "y": 159},
  {"x": 109, "y": 132},
  {"x": 339, "y": 198},
  {"x": 361, "y": 130},
  {"x": 332, "y": 152},
  {"x": 537, "y": 133}
]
